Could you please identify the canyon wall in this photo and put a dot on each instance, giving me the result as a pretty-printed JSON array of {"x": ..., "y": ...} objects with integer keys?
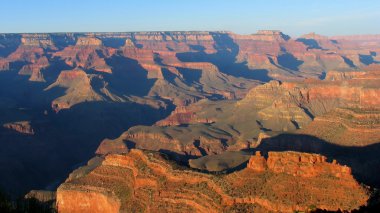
[{"x": 145, "y": 181}]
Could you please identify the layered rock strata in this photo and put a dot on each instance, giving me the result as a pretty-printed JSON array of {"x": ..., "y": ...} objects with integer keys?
[{"x": 145, "y": 181}]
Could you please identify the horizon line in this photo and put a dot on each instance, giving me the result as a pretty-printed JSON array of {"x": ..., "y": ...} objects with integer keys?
[{"x": 164, "y": 31}]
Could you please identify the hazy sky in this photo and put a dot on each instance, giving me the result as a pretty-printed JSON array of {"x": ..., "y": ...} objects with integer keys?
[{"x": 293, "y": 17}]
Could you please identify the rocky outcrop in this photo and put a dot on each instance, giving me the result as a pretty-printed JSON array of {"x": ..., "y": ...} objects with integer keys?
[
  {"x": 78, "y": 89},
  {"x": 23, "y": 127},
  {"x": 88, "y": 201},
  {"x": 39, "y": 199},
  {"x": 181, "y": 142},
  {"x": 35, "y": 70},
  {"x": 38, "y": 40},
  {"x": 146, "y": 181},
  {"x": 112, "y": 146},
  {"x": 88, "y": 53},
  {"x": 4, "y": 64},
  {"x": 264, "y": 35},
  {"x": 88, "y": 41},
  {"x": 31, "y": 52},
  {"x": 28, "y": 54},
  {"x": 184, "y": 115},
  {"x": 257, "y": 163},
  {"x": 41, "y": 195},
  {"x": 299, "y": 164}
]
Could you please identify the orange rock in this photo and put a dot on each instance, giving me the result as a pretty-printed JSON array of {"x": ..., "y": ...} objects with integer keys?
[
  {"x": 72, "y": 201},
  {"x": 257, "y": 163},
  {"x": 88, "y": 53},
  {"x": 111, "y": 146},
  {"x": 88, "y": 41},
  {"x": 146, "y": 181},
  {"x": 23, "y": 127}
]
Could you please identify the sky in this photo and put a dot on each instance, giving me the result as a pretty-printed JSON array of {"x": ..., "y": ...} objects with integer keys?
[{"x": 293, "y": 17}]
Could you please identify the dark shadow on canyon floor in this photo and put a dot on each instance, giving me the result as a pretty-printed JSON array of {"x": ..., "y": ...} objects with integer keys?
[
  {"x": 364, "y": 161},
  {"x": 64, "y": 141},
  {"x": 128, "y": 77},
  {"x": 225, "y": 59}
]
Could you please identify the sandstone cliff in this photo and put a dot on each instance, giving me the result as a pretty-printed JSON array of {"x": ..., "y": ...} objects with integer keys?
[
  {"x": 145, "y": 181},
  {"x": 299, "y": 164}
]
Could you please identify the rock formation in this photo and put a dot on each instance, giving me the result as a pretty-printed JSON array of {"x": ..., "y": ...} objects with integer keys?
[
  {"x": 298, "y": 164},
  {"x": 88, "y": 41},
  {"x": 37, "y": 40},
  {"x": 35, "y": 69},
  {"x": 110, "y": 146},
  {"x": 78, "y": 89},
  {"x": 23, "y": 127},
  {"x": 41, "y": 196},
  {"x": 4, "y": 64},
  {"x": 146, "y": 181},
  {"x": 85, "y": 54}
]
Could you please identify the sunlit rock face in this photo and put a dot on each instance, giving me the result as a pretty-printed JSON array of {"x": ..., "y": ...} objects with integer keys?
[{"x": 146, "y": 181}]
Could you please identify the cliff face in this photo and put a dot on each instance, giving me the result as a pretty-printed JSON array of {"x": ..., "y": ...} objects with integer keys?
[
  {"x": 299, "y": 164},
  {"x": 145, "y": 181}
]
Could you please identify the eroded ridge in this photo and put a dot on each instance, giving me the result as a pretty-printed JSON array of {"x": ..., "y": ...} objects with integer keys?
[{"x": 147, "y": 182}]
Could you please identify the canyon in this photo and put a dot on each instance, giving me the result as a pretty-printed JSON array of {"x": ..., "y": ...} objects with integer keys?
[{"x": 167, "y": 115}]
